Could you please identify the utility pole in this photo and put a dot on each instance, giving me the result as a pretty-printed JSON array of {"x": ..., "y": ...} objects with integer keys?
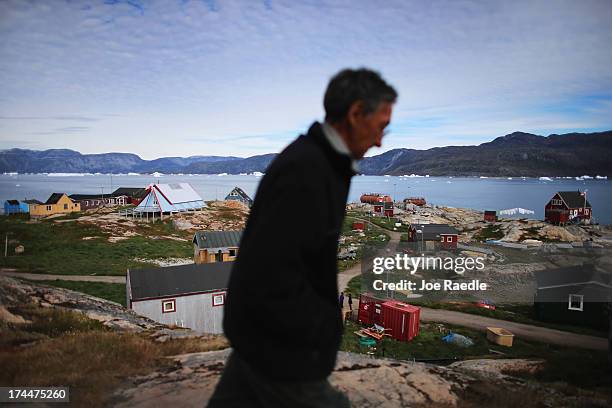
[{"x": 6, "y": 246}]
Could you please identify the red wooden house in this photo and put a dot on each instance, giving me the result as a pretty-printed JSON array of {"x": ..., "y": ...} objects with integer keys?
[
  {"x": 568, "y": 207},
  {"x": 432, "y": 235}
]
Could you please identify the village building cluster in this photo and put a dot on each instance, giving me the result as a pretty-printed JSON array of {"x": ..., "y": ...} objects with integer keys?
[{"x": 193, "y": 295}]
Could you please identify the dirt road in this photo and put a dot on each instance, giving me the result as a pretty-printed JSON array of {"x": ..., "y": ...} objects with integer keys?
[
  {"x": 345, "y": 276},
  {"x": 523, "y": 331},
  {"x": 39, "y": 276}
]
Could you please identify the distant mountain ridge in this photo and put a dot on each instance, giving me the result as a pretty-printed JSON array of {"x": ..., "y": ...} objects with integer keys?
[
  {"x": 515, "y": 154},
  {"x": 70, "y": 161}
]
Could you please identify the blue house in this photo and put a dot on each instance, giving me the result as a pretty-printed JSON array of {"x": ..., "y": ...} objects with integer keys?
[{"x": 15, "y": 207}]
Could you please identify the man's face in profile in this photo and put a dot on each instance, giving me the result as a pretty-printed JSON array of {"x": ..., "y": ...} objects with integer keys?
[{"x": 367, "y": 129}]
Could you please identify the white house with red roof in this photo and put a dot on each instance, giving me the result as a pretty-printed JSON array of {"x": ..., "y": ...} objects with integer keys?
[{"x": 170, "y": 198}]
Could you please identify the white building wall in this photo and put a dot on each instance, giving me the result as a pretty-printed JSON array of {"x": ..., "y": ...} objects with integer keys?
[{"x": 194, "y": 311}]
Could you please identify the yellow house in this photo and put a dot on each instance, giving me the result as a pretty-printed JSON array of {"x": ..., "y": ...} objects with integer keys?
[
  {"x": 58, "y": 203},
  {"x": 215, "y": 246}
]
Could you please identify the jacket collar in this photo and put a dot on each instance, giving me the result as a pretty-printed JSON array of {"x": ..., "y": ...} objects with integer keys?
[{"x": 342, "y": 162}]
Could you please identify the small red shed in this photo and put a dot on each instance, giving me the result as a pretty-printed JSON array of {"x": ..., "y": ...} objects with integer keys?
[
  {"x": 402, "y": 319},
  {"x": 490, "y": 216},
  {"x": 357, "y": 225},
  {"x": 370, "y": 310}
]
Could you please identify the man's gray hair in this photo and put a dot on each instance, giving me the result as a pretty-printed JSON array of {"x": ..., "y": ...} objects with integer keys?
[{"x": 349, "y": 86}]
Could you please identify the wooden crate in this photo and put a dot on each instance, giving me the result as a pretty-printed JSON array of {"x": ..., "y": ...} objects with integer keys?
[{"x": 500, "y": 336}]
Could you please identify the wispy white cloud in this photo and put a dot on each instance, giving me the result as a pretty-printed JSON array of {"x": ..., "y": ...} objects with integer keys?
[{"x": 223, "y": 70}]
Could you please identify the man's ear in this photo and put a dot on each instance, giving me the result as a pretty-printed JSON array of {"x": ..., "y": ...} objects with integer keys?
[{"x": 355, "y": 113}]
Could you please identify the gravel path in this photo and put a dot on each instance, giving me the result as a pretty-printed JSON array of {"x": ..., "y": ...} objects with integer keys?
[
  {"x": 524, "y": 331},
  {"x": 41, "y": 276}
]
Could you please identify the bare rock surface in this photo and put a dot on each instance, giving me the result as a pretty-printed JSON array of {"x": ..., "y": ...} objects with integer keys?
[
  {"x": 500, "y": 368},
  {"x": 367, "y": 382}
]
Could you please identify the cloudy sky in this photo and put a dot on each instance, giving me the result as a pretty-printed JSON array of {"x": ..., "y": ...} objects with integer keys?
[{"x": 162, "y": 78}]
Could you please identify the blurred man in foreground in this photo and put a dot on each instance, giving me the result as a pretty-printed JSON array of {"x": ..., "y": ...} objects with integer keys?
[{"x": 282, "y": 315}]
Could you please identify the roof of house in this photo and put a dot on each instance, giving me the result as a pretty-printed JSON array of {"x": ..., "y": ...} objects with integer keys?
[
  {"x": 130, "y": 191},
  {"x": 240, "y": 192},
  {"x": 432, "y": 232},
  {"x": 170, "y": 198},
  {"x": 217, "y": 239},
  {"x": 32, "y": 201},
  {"x": 79, "y": 197},
  {"x": 490, "y": 212},
  {"x": 13, "y": 202},
  {"x": 572, "y": 276},
  {"x": 54, "y": 198},
  {"x": 179, "y": 280},
  {"x": 573, "y": 199}
]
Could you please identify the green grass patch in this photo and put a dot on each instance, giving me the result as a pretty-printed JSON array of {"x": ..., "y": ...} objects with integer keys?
[
  {"x": 388, "y": 223},
  {"x": 59, "y": 248},
  {"x": 489, "y": 232},
  {"x": 44, "y": 323},
  {"x": 584, "y": 368},
  {"x": 114, "y": 292}
]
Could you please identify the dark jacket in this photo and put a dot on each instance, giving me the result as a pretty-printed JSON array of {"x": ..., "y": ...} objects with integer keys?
[{"x": 281, "y": 314}]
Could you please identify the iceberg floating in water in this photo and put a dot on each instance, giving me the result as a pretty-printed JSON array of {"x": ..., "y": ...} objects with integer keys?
[
  {"x": 222, "y": 174},
  {"x": 483, "y": 177},
  {"x": 68, "y": 174},
  {"x": 157, "y": 174},
  {"x": 257, "y": 174},
  {"x": 545, "y": 179},
  {"x": 133, "y": 174},
  {"x": 601, "y": 177}
]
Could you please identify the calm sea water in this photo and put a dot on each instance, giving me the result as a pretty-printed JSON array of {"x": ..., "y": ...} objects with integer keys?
[{"x": 476, "y": 193}]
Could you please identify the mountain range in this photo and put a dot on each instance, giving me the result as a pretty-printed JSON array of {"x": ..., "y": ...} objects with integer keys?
[{"x": 516, "y": 154}]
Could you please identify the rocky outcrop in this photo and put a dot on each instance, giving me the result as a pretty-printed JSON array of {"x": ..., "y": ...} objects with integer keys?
[
  {"x": 14, "y": 292},
  {"x": 366, "y": 381}
]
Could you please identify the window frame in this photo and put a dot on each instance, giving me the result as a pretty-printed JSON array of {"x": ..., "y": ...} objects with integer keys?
[
  {"x": 569, "y": 303},
  {"x": 217, "y": 295},
  {"x": 170, "y": 301}
]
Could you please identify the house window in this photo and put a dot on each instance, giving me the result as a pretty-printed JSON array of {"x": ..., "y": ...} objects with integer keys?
[
  {"x": 168, "y": 306},
  {"x": 232, "y": 252},
  {"x": 449, "y": 239},
  {"x": 556, "y": 202},
  {"x": 218, "y": 299},
  {"x": 575, "y": 302},
  {"x": 65, "y": 206},
  {"x": 48, "y": 208}
]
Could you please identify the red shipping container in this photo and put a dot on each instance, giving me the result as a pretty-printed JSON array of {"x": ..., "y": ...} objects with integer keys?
[
  {"x": 358, "y": 226},
  {"x": 403, "y": 320},
  {"x": 370, "y": 310}
]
